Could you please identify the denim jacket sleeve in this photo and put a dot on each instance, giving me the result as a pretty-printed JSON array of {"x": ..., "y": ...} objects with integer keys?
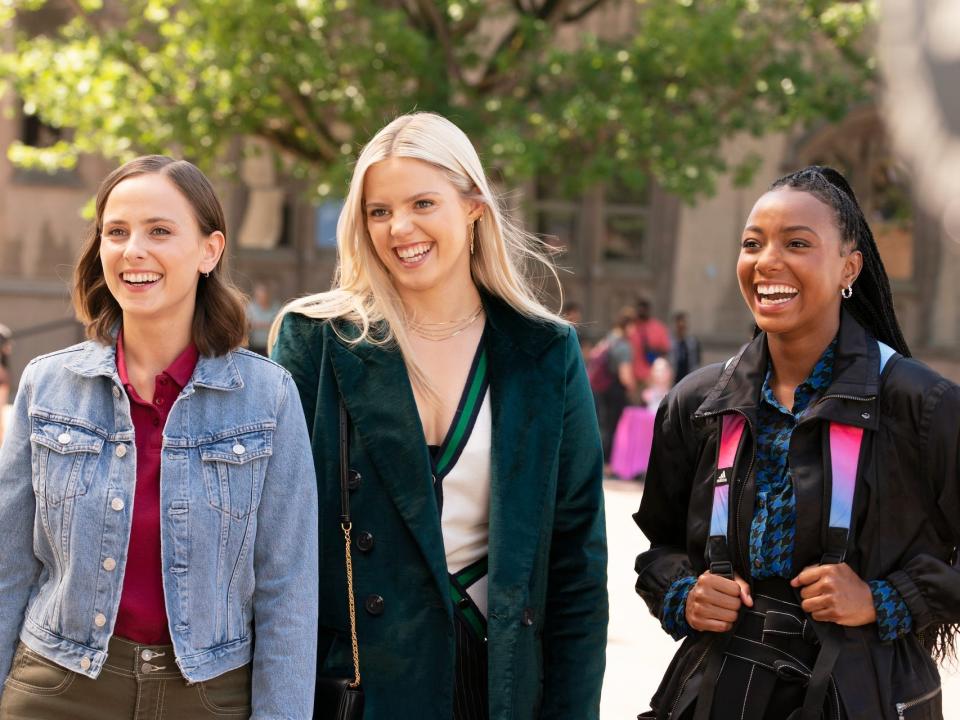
[
  {"x": 285, "y": 558},
  {"x": 19, "y": 567}
]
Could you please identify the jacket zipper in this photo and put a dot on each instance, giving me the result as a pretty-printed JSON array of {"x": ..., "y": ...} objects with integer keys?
[
  {"x": 683, "y": 685},
  {"x": 902, "y": 707}
]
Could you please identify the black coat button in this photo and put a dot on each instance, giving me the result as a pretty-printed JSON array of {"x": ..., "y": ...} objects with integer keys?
[
  {"x": 365, "y": 541},
  {"x": 353, "y": 479},
  {"x": 374, "y": 605},
  {"x": 528, "y": 616}
]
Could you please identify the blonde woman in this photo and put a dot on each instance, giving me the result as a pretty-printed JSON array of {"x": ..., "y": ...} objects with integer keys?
[{"x": 479, "y": 553}]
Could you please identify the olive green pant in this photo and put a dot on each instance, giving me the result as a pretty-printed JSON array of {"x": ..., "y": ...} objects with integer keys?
[{"x": 138, "y": 682}]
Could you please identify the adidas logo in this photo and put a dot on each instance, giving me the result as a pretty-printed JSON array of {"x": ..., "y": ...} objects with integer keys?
[{"x": 722, "y": 480}]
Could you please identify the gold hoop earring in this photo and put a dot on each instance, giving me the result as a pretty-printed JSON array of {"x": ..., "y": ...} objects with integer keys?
[{"x": 473, "y": 235}]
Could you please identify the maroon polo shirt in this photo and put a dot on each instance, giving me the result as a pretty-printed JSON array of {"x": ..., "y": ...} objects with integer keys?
[{"x": 142, "y": 616}]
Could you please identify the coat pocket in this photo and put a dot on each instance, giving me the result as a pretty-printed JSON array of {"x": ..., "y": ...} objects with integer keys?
[
  {"x": 233, "y": 471},
  {"x": 64, "y": 459}
]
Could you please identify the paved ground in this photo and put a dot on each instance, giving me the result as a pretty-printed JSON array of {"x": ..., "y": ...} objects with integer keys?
[{"x": 638, "y": 650}]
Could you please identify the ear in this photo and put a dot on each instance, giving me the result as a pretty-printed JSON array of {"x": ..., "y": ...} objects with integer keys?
[
  {"x": 211, "y": 248},
  {"x": 852, "y": 265},
  {"x": 475, "y": 209}
]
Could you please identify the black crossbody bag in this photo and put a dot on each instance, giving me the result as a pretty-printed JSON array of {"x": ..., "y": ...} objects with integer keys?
[{"x": 342, "y": 698}]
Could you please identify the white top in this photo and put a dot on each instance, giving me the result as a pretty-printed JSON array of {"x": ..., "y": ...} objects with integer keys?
[{"x": 465, "y": 520}]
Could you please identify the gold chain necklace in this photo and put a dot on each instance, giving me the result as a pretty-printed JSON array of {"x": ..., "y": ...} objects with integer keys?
[{"x": 438, "y": 331}]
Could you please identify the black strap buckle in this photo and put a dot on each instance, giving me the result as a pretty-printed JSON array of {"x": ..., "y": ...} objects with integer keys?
[{"x": 723, "y": 568}]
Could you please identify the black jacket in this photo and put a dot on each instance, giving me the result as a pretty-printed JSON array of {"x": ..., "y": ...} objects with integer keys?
[{"x": 906, "y": 517}]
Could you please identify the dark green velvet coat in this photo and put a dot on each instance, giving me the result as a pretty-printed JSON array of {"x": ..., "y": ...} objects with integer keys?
[{"x": 548, "y": 560}]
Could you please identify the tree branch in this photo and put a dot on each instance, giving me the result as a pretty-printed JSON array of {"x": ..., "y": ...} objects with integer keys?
[
  {"x": 512, "y": 47},
  {"x": 442, "y": 33},
  {"x": 578, "y": 15},
  {"x": 301, "y": 112}
]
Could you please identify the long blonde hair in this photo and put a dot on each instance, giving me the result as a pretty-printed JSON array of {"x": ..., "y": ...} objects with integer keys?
[{"x": 363, "y": 294}]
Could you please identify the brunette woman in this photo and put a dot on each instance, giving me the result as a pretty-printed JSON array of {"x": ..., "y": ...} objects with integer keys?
[
  {"x": 803, "y": 499},
  {"x": 479, "y": 556},
  {"x": 156, "y": 493}
]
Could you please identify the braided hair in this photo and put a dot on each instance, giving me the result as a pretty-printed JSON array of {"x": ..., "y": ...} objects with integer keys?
[{"x": 872, "y": 302}]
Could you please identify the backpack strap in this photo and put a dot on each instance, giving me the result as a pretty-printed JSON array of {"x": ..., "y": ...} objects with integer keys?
[{"x": 718, "y": 553}]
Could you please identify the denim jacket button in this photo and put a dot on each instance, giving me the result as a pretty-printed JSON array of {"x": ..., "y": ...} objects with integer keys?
[
  {"x": 64, "y": 438},
  {"x": 100, "y": 620},
  {"x": 85, "y": 663},
  {"x": 117, "y": 504},
  {"x": 239, "y": 449},
  {"x": 121, "y": 451},
  {"x": 109, "y": 564}
]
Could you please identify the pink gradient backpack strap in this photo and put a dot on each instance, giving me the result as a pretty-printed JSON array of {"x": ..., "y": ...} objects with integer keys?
[
  {"x": 731, "y": 434},
  {"x": 845, "y": 445}
]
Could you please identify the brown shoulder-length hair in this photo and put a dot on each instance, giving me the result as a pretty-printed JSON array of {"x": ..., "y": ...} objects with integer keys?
[{"x": 219, "y": 319}]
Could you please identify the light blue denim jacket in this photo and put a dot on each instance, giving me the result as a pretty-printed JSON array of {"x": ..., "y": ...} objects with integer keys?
[{"x": 238, "y": 521}]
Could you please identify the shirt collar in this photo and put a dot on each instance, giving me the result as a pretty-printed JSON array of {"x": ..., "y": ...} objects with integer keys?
[
  {"x": 819, "y": 379},
  {"x": 180, "y": 370}
]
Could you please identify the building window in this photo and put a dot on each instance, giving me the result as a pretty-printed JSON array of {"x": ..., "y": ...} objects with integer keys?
[
  {"x": 35, "y": 133},
  {"x": 556, "y": 220},
  {"x": 626, "y": 213}
]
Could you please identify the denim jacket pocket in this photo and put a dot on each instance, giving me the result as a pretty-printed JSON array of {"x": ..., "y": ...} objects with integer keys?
[
  {"x": 233, "y": 471},
  {"x": 63, "y": 459}
]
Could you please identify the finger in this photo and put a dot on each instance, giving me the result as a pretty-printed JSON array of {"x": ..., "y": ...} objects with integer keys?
[
  {"x": 809, "y": 574},
  {"x": 705, "y": 625},
  {"x": 745, "y": 596},
  {"x": 818, "y": 604},
  {"x": 816, "y": 589},
  {"x": 828, "y": 615},
  {"x": 721, "y": 600}
]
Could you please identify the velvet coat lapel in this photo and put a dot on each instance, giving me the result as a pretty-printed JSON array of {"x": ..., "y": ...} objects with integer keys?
[{"x": 388, "y": 425}]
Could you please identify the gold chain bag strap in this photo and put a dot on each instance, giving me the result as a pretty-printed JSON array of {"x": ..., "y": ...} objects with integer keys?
[{"x": 342, "y": 698}]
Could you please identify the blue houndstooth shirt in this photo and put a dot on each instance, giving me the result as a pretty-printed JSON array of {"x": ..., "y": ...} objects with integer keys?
[{"x": 774, "y": 522}]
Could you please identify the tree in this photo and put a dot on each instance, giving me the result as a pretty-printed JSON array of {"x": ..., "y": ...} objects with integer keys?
[{"x": 538, "y": 94}]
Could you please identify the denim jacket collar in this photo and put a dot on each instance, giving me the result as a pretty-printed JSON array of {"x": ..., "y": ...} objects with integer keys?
[{"x": 216, "y": 373}]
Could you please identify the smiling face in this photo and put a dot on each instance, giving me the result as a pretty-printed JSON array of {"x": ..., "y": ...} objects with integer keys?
[
  {"x": 153, "y": 251},
  {"x": 419, "y": 224},
  {"x": 793, "y": 264}
]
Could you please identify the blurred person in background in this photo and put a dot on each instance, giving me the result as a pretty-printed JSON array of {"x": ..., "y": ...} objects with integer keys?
[
  {"x": 649, "y": 339},
  {"x": 6, "y": 348},
  {"x": 153, "y": 562},
  {"x": 803, "y": 499},
  {"x": 658, "y": 385},
  {"x": 472, "y": 444},
  {"x": 684, "y": 348},
  {"x": 610, "y": 369},
  {"x": 261, "y": 311}
]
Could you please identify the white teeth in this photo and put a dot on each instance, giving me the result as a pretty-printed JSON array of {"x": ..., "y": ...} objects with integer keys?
[
  {"x": 768, "y": 301},
  {"x": 776, "y": 290},
  {"x": 141, "y": 277},
  {"x": 413, "y": 252}
]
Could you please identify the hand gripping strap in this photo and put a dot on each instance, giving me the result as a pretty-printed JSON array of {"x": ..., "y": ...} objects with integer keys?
[{"x": 731, "y": 433}]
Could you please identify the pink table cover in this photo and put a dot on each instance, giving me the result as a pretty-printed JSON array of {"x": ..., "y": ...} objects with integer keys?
[{"x": 631, "y": 442}]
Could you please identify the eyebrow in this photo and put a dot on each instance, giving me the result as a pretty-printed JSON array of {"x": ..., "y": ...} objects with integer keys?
[
  {"x": 792, "y": 228},
  {"x": 406, "y": 200},
  {"x": 147, "y": 221}
]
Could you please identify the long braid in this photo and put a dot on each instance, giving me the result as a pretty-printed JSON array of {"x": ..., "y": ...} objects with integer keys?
[{"x": 872, "y": 301}]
